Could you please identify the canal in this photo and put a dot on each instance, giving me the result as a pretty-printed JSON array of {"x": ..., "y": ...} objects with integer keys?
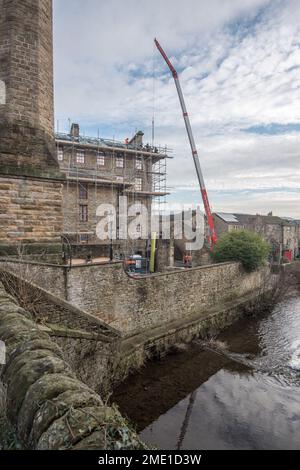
[{"x": 245, "y": 396}]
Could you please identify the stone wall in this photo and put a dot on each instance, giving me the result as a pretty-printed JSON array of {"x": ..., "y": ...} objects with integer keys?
[
  {"x": 101, "y": 355},
  {"x": 94, "y": 196},
  {"x": 138, "y": 304},
  {"x": 30, "y": 210},
  {"x": 88, "y": 344},
  {"x": 51, "y": 277},
  {"x": 135, "y": 304},
  {"x": 136, "y": 350},
  {"x": 49, "y": 408}
]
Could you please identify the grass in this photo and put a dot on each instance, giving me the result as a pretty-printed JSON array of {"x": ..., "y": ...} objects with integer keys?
[{"x": 8, "y": 439}]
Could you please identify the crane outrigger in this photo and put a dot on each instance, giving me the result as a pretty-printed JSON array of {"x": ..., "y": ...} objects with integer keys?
[{"x": 210, "y": 221}]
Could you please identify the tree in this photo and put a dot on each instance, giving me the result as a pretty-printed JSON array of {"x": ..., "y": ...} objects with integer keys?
[{"x": 247, "y": 247}]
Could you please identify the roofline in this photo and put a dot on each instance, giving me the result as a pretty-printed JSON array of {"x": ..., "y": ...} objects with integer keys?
[
  {"x": 158, "y": 156},
  {"x": 282, "y": 220}
]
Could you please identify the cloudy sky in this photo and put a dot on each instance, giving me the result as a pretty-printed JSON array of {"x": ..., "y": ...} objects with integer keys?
[{"x": 239, "y": 64}]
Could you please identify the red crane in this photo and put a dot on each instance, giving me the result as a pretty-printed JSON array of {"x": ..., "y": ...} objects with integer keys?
[{"x": 213, "y": 235}]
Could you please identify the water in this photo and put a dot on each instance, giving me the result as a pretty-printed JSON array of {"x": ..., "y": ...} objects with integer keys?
[{"x": 247, "y": 399}]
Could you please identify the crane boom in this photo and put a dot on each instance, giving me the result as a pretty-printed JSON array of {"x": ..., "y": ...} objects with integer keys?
[{"x": 213, "y": 235}]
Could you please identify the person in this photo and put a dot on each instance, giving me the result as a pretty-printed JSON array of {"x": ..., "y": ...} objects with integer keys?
[
  {"x": 126, "y": 141},
  {"x": 187, "y": 260}
]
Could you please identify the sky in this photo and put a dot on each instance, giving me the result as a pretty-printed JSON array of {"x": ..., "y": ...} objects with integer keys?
[{"x": 239, "y": 67}]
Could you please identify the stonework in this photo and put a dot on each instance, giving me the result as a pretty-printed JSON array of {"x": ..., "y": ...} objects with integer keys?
[
  {"x": 150, "y": 315},
  {"x": 26, "y": 67},
  {"x": 30, "y": 210},
  {"x": 100, "y": 171},
  {"x": 49, "y": 408},
  {"x": 30, "y": 180},
  {"x": 131, "y": 305}
]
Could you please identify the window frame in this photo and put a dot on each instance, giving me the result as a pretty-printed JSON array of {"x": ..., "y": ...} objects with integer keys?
[
  {"x": 138, "y": 163},
  {"x": 80, "y": 157},
  {"x": 83, "y": 213},
  {"x": 120, "y": 161},
  {"x": 60, "y": 154},
  {"x": 100, "y": 159},
  {"x": 138, "y": 184},
  {"x": 83, "y": 191}
]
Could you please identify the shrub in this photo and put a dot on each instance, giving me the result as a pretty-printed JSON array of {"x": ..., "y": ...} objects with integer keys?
[{"x": 247, "y": 247}]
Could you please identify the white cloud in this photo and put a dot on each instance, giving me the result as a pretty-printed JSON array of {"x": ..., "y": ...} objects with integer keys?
[{"x": 237, "y": 71}]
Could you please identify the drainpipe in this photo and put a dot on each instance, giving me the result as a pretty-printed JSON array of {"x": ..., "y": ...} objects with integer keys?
[{"x": 153, "y": 250}]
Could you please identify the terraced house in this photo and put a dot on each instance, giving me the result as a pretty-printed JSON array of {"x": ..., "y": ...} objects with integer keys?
[{"x": 281, "y": 233}]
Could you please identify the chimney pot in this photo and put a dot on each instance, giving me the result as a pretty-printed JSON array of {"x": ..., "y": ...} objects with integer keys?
[{"x": 75, "y": 130}]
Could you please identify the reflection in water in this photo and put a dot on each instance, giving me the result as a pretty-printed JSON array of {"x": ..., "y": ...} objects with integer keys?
[
  {"x": 187, "y": 418},
  {"x": 232, "y": 412},
  {"x": 199, "y": 400}
]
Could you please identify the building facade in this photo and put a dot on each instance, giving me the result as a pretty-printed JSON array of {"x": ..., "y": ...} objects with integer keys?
[
  {"x": 282, "y": 234},
  {"x": 101, "y": 171}
]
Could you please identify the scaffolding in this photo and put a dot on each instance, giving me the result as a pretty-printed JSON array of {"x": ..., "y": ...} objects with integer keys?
[{"x": 140, "y": 162}]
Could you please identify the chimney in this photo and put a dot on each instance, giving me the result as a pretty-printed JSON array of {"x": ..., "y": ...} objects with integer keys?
[
  {"x": 74, "y": 130},
  {"x": 26, "y": 86},
  {"x": 137, "y": 139}
]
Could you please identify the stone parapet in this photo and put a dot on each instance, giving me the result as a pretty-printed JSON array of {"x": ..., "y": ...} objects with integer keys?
[{"x": 47, "y": 405}]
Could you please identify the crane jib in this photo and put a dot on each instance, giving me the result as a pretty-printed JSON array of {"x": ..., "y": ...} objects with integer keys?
[{"x": 210, "y": 221}]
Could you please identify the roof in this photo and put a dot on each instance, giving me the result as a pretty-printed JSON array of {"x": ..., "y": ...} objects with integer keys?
[
  {"x": 291, "y": 220},
  {"x": 228, "y": 218},
  {"x": 93, "y": 141},
  {"x": 267, "y": 219},
  {"x": 244, "y": 219},
  {"x": 102, "y": 143}
]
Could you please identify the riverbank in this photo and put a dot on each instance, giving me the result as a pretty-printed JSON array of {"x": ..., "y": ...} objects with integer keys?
[
  {"x": 199, "y": 399},
  {"x": 99, "y": 352}
]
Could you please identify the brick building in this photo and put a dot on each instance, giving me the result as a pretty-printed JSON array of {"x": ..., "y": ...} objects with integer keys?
[
  {"x": 99, "y": 171},
  {"x": 30, "y": 179}
]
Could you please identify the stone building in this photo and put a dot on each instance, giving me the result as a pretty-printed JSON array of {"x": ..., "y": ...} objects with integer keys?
[
  {"x": 49, "y": 189},
  {"x": 100, "y": 171},
  {"x": 30, "y": 180},
  {"x": 281, "y": 233}
]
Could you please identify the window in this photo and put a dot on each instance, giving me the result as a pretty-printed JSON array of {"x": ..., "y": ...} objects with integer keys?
[
  {"x": 80, "y": 158},
  {"x": 138, "y": 184},
  {"x": 60, "y": 154},
  {"x": 83, "y": 191},
  {"x": 83, "y": 213},
  {"x": 84, "y": 238},
  {"x": 138, "y": 164},
  {"x": 120, "y": 161},
  {"x": 100, "y": 159}
]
